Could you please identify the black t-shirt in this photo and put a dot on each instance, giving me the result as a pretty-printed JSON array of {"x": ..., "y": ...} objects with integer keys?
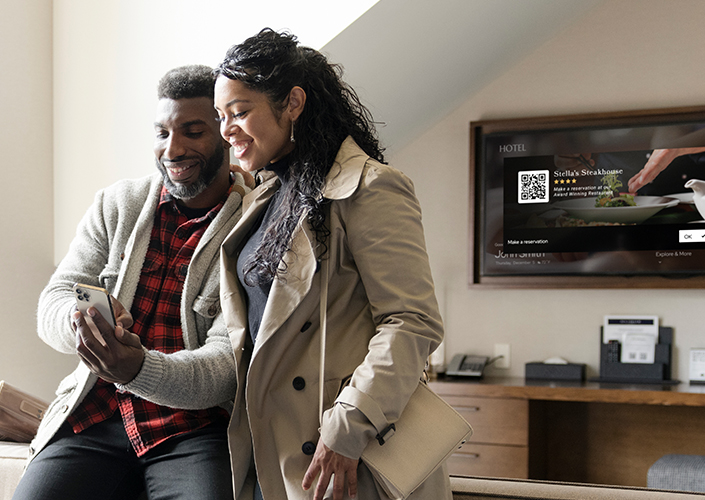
[{"x": 258, "y": 294}]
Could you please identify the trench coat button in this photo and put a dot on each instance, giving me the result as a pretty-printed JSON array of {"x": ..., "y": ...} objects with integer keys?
[
  {"x": 64, "y": 408},
  {"x": 122, "y": 256},
  {"x": 299, "y": 383},
  {"x": 308, "y": 448},
  {"x": 31, "y": 450},
  {"x": 212, "y": 310},
  {"x": 306, "y": 326}
]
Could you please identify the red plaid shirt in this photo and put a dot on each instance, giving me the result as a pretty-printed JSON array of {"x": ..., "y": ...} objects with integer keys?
[{"x": 156, "y": 311}]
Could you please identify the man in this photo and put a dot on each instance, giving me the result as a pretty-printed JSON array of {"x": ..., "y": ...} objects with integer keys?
[{"x": 148, "y": 406}]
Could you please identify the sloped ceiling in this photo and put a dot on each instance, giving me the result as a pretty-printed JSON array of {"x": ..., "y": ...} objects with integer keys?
[{"x": 413, "y": 61}]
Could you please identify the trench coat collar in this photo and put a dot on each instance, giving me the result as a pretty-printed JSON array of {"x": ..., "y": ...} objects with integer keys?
[
  {"x": 344, "y": 175},
  {"x": 263, "y": 191},
  {"x": 341, "y": 182},
  {"x": 252, "y": 204}
]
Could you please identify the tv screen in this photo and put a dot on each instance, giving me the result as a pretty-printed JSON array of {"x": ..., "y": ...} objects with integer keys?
[{"x": 558, "y": 201}]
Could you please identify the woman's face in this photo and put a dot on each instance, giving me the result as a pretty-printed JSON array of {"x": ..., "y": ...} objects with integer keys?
[{"x": 248, "y": 122}]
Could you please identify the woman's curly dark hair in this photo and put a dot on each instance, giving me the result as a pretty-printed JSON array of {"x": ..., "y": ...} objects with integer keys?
[{"x": 273, "y": 63}]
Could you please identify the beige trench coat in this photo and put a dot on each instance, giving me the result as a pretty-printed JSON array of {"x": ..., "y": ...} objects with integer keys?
[{"x": 383, "y": 322}]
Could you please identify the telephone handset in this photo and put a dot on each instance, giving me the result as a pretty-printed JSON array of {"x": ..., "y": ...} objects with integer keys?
[{"x": 463, "y": 365}]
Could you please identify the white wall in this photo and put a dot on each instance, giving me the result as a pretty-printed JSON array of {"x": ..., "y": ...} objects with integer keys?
[
  {"x": 26, "y": 202},
  {"x": 108, "y": 58},
  {"x": 77, "y": 97},
  {"x": 631, "y": 54}
]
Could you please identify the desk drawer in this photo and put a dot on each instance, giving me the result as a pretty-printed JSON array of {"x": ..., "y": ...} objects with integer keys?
[
  {"x": 495, "y": 420},
  {"x": 491, "y": 461}
]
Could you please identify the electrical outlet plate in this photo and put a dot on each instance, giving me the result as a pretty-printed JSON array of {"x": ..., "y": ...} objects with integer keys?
[{"x": 505, "y": 361}]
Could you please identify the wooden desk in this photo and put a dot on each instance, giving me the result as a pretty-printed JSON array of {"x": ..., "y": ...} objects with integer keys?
[{"x": 578, "y": 432}]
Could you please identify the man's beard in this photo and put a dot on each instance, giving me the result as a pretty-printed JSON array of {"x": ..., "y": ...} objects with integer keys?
[{"x": 205, "y": 177}]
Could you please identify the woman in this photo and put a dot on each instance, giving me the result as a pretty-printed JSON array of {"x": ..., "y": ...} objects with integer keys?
[{"x": 325, "y": 195}]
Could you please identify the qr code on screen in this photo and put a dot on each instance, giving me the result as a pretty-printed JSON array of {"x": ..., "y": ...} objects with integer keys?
[{"x": 533, "y": 186}]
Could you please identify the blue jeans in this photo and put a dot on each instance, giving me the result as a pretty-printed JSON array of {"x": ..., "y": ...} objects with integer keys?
[{"x": 100, "y": 463}]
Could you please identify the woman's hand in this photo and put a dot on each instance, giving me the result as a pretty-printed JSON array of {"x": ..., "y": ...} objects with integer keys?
[{"x": 329, "y": 463}]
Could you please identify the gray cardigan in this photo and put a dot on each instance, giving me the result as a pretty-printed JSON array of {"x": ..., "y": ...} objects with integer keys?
[{"x": 109, "y": 250}]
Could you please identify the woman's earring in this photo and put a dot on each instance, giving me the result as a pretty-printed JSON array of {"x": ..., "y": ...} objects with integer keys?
[{"x": 292, "y": 132}]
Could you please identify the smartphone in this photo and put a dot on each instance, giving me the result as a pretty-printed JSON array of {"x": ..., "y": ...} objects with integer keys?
[{"x": 94, "y": 296}]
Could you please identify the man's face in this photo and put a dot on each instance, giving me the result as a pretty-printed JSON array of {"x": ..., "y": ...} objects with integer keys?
[{"x": 188, "y": 148}]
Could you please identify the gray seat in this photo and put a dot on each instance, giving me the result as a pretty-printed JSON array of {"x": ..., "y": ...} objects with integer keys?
[
  {"x": 487, "y": 488},
  {"x": 678, "y": 472}
]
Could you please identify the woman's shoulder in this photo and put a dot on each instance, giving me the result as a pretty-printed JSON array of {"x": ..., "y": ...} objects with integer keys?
[
  {"x": 354, "y": 170},
  {"x": 375, "y": 171}
]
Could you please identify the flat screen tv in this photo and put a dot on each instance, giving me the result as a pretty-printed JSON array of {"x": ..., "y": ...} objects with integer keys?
[{"x": 552, "y": 205}]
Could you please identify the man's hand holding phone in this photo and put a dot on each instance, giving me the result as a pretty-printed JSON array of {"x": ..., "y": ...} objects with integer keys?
[{"x": 116, "y": 357}]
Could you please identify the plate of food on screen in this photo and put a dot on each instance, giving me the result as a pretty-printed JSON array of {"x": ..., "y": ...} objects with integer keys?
[
  {"x": 626, "y": 209},
  {"x": 611, "y": 205},
  {"x": 684, "y": 198}
]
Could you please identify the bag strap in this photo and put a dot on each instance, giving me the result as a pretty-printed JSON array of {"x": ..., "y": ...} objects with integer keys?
[{"x": 323, "y": 321}]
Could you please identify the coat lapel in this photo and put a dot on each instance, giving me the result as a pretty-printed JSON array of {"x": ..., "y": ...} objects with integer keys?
[
  {"x": 232, "y": 296},
  {"x": 288, "y": 292},
  {"x": 252, "y": 206},
  {"x": 301, "y": 261}
]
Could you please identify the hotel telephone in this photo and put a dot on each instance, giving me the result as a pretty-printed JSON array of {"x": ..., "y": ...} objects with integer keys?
[{"x": 463, "y": 365}]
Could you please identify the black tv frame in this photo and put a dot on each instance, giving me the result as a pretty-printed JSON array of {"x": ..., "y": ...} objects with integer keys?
[{"x": 607, "y": 120}]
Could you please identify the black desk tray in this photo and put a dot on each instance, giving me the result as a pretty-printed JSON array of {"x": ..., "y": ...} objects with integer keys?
[{"x": 658, "y": 372}]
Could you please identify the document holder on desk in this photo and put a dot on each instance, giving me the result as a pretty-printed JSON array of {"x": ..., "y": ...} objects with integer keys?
[{"x": 658, "y": 372}]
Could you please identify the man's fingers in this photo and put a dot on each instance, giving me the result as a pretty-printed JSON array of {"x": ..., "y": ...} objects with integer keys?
[
  {"x": 122, "y": 315},
  {"x": 116, "y": 357},
  {"x": 86, "y": 342},
  {"x": 85, "y": 333},
  {"x": 107, "y": 331},
  {"x": 127, "y": 338},
  {"x": 74, "y": 310}
]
